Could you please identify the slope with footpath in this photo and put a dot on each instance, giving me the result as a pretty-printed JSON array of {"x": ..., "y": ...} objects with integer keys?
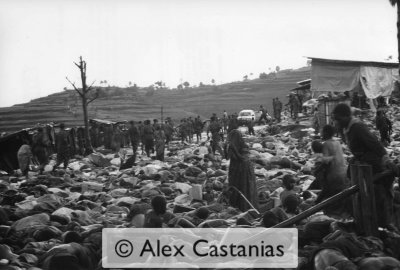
[{"x": 120, "y": 104}]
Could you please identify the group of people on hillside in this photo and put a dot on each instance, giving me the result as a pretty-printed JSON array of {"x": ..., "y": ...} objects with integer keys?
[
  {"x": 189, "y": 127},
  {"x": 153, "y": 138},
  {"x": 331, "y": 171},
  {"x": 39, "y": 149}
]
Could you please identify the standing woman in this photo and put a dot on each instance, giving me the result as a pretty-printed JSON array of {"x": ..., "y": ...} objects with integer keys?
[{"x": 241, "y": 173}]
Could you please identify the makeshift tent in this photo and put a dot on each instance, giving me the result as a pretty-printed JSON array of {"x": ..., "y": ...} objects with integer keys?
[
  {"x": 374, "y": 78},
  {"x": 9, "y": 146}
]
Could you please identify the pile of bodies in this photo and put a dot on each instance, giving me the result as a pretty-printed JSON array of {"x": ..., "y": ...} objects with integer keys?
[{"x": 54, "y": 220}]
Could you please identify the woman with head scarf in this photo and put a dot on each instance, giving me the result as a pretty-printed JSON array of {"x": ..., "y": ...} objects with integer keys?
[{"x": 241, "y": 173}]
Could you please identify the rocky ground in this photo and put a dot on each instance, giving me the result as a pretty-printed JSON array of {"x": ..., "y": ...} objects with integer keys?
[{"x": 58, "y": 217}]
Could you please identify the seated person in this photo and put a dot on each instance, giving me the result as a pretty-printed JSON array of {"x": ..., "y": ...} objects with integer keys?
[
  {"x": 288, "y": 184},
  {"x": 136, "y": 216},
  {"x": 320, "y": 167},
  {"x": 159, "y": 205},
  {"x": 290, "y": 208},
  {"x": 308, "y": 200}
]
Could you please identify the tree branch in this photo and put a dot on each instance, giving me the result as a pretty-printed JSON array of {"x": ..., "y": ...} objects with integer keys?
[
  {"x": 76, "y": 89},
  {"x": 79, "y": 66},
  {"x": 95, "y": 97},
  {"x": 90, "y": 87}
]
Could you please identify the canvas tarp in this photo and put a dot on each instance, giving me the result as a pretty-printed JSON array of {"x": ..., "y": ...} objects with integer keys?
[
  {"x": 377, "y": 81},
  {"x": 333, "y": 77},
  {"x": 375, "y": 78}
]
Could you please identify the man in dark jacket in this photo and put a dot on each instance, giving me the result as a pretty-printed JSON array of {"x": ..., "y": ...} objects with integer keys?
[
  {"x": 384, "y": 126},
  {"x": 169, "y": 131},
  {"x": 263, "y": 115},
  {"x": 367, "y": 149},
  {"x": 148, "y": 137},
  {"x": 141, "y": 128},
  {"x": 39, "y": 148},
  {"x": 233, "y": 123},
  {"x": 134, "y": 137},
  {"x": 278, "y": 108},
  {"x": 198, "y": 128},
  {"x": 62, "y": 147},
  {"x": 215, "y": 129}
]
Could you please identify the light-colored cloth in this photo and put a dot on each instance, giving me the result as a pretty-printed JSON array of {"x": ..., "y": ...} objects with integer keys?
[
  {"x": 377, "y": 81},
  {"x": 24, "y": 156}
]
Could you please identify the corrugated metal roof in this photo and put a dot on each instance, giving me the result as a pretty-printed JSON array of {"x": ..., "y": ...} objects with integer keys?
[
  {"x": 304, "y": 82},
  {"x": 355, "y": 62}
]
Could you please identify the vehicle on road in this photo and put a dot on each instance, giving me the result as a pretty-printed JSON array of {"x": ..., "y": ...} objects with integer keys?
[{"x": 245, "y": 116}]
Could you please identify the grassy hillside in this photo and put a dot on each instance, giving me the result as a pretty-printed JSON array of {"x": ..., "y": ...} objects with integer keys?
[{"x": 128, "y": 104}]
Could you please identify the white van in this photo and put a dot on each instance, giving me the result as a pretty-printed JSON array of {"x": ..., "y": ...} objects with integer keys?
[{"x": 245, "y": 116}]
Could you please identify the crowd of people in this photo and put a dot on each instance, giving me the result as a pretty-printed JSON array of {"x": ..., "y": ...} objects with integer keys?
[{"x": 225, "y": 139}]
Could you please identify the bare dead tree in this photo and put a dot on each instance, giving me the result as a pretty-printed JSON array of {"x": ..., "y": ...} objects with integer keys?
[{"x": 86, "y": 99}]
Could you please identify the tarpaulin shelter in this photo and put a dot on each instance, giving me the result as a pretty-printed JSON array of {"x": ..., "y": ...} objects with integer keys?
[
  {"x": 375, "y": 79},
  {"x": 328, "y": 76},
  {"x": 9, "y": 146}
]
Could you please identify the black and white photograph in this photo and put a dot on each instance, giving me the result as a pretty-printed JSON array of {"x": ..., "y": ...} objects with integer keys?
[{"x": 199, "y": 134}]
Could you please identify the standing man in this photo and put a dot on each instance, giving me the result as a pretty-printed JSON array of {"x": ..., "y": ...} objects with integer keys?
[
  {"x": 39, "y": 149},
  {"x": 190, "y": 129},
  {"x": 182, "y": 130},
  {"x": 141, "y": 135},
  {"x": 274, "y": 107},
  {"x": 159, "y": 136},
  {"x": 169, "y": 131},
  {"x": 367, "y": 149},
  {"x": 384, "y": 126},
  {"x": 198, "y": 128},
  {"x": 279, "y": 106},
  {"x": 148, "y": 137},
  {"x": 215, "y": 130},
  {"x": 296, "y": 106},
  {"x": 290, "y": 105},
  {"x": 225, "y": 123},
  {"x": 134, "y": 137},
  {"x": 250, "y": 126},
  {"x": 263, "y": 115},
  {"x": 233, "y": 123},
  {"x": 155, "y": 124},
  {"x": 62, "y": 147}
]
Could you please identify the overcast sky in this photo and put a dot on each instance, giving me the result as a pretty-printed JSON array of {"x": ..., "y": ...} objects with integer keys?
[{"x": 144, "y": 41}]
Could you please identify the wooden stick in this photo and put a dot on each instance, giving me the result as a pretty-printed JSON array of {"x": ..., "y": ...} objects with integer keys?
[{"x": 244, "y": 197}]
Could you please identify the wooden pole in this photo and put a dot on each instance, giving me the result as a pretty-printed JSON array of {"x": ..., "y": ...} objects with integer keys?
[
  {"x": 356, "y": 200},
  {"x": 344, "y": 194},
  {"x": 340, "y": 196},
  {"x": 367, "y": 218}
]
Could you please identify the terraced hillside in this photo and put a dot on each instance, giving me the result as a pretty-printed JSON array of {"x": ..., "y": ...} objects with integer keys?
[{"x": 126, "y": 104}]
